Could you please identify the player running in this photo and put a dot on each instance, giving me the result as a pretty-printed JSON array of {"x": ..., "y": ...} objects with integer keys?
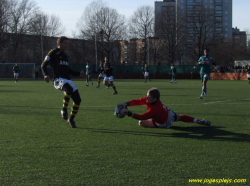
[
  {"x": 157, "y": 115},
  {"x": 59, "y": 61},
  {"x": 108, "y": 80},
  {"x": 16, "y": 71},
  {"x": 206, "y": 63}
]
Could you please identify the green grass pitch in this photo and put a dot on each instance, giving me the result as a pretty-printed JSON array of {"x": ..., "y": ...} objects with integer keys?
[{"x": 38, "y": 148}]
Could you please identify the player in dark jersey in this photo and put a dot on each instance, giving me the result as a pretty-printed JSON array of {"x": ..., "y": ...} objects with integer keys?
[
  {"x": 16, "y": 71},
  {"x": 146, "y": 73},
  {"x": 102, "y": 74},
  {"x": 248, "y": 74},
  {"x": 157, "y": 115},
  {"x": 108, "y": 80},
  {"x": 59, "y": 61}
]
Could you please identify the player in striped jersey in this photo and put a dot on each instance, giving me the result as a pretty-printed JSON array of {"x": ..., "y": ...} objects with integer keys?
[{"x": 59, "y": 61}]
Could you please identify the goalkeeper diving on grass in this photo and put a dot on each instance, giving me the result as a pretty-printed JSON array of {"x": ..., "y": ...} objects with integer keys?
[{"x": 158, "y": 115}]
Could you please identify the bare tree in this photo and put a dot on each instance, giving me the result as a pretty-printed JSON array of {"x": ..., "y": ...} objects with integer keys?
[
  {"x": 104, "y": 25},
  {"x": 156, "y": 50},
  {"x": 224, "y": 54},
  {"x": 45, "y": 27},
  {"x": 19, "y": 18},
  {"x": 141, "y": 25},
  {"x": 201, "y": 33},
  {"x": 4, "y": 20},
  {"x": 172, "y": 32}
]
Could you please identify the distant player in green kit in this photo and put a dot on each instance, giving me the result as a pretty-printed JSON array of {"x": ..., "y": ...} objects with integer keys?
[
  {"x": 173, "y": 72},
  {"x": 206, "y": 63},
  {"x": 88, "y": 74}
]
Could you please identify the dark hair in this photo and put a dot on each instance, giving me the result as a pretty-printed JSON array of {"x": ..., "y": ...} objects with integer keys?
[
  {"x": 155, "y": 93},
  {"x": 61, "y": 40}
]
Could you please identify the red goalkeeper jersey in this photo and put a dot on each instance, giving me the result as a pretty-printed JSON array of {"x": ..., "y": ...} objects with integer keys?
[{"x": 157, "y": 111}]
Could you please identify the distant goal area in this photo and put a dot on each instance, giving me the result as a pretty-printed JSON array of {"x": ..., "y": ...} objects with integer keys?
[{"x": 27, "y": 70}]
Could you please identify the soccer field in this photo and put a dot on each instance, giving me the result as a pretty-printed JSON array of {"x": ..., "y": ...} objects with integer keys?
[{"x": 38, "y": 148}]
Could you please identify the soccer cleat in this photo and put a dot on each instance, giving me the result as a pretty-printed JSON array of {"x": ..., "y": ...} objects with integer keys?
[
  {"x": 107, "y": 87},
  {"x": 64, "y": 114},
  {"x": 72, "y": 124},
  {"x": 201, "y": 97},
  {"x": 204, "y": 122},
  {"x": 97, "y": 87},
  {"x": 115, "y": 92}
]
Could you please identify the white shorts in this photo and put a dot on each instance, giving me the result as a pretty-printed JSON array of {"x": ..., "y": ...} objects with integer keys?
[
  {"x": 16, "y": 74},
  {"x": 102, "y": 75},
  {"x": 171, "y": 119},
  {"x": 248, "y": 76},
  {"x": 110, "y": 78},
  {"x": 59, "y": 82},
  {"x": 146, "y": 73}
]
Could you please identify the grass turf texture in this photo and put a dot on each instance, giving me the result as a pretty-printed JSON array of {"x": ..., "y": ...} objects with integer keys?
[{"x": 39, "y": 148}]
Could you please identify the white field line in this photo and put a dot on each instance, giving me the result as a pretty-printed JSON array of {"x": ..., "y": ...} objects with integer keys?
[{"x": 2, "y": 106}]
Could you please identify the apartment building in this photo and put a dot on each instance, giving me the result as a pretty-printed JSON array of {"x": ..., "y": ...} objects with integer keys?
[
  {"x": 194, "y": 25},
  {"x": 218, "y": 13}
]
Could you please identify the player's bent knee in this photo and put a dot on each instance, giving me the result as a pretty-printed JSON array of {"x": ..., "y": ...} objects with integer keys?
[
  {"x": 76, "y": 97},
  {"x": 140, "y": 123},
  {"x": 143, "y": 123}
]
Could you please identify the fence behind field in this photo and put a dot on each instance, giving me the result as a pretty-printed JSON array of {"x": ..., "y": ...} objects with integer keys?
[{"x": 27, "y": 70}]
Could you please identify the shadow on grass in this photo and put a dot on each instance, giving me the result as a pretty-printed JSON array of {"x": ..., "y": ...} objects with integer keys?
[
  {"x": 200, "y": 132},
  {"x": 214, "y": 133}
]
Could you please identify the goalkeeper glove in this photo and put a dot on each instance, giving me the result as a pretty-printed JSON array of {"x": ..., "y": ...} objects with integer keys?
[
  {"x": 129, "y": 113},
  {"x": 125, "y": 105}
]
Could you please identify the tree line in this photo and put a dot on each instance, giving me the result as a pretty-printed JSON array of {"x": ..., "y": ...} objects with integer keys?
[{"x": 27, "y": 34}]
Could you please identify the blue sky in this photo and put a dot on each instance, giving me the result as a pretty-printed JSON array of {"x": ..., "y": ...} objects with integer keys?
[{"x": 70, "y": 11}]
